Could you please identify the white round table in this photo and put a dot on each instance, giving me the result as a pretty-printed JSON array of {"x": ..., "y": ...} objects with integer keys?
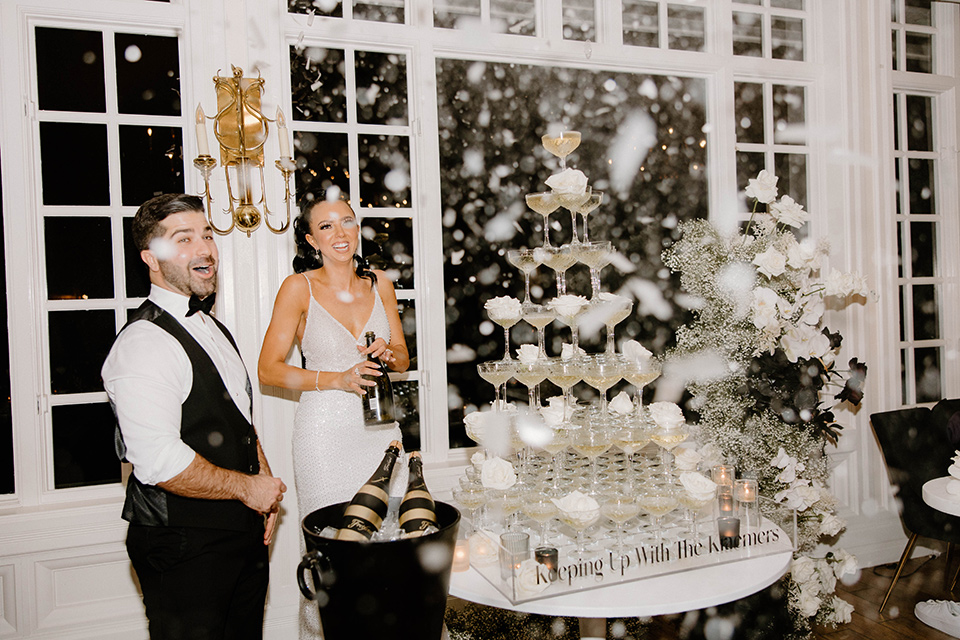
[
  {"x": 659, "y": 595},
  {"x": 935, "y": 494}
]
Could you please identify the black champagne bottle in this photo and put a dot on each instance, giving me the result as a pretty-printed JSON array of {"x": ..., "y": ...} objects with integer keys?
[
  {"x": 417, "y": 510},
  {"x": 378, "y": 405},
  {"x": 365, "y": 513}
]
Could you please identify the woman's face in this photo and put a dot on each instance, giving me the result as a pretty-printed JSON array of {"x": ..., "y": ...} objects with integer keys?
[{"x": 334, "y": 230}]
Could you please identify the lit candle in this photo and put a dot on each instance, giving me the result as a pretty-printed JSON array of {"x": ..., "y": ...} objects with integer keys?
[
  {"x": 483, "y": 550},
  {"x": 202, "y": 145},
  {"x": 729, "y": 529},
  {"x": 548, "y": 557},
  {"x": 746, "y": 494},
  {"x": 725, "y": 499},
  {"x": 282, "y": 135},
  {"x": 723, "y": 474},
  {"x": 747, "y": 490},
  {"x": 461, "y": 555}
]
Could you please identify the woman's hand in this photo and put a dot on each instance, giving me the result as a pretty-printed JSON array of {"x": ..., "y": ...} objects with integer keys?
[
  {"x": 378, "y": 349},
  {"x": 352, "y": 379}
]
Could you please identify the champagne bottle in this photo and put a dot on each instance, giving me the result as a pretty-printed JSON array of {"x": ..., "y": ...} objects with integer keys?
[
  {"x": 365, "y": 513},
  {"x": 378, "y": 406},
  {"x": 417, "y": 510}
]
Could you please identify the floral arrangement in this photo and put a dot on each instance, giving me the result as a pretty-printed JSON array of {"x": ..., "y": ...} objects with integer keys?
[{"x": 767, "y": 381}]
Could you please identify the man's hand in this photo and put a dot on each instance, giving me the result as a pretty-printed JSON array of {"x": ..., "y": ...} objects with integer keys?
[{"x": 263, "y": 493}]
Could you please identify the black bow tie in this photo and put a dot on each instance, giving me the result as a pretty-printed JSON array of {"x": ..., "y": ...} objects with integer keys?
[{"x": 205, "y": 305}]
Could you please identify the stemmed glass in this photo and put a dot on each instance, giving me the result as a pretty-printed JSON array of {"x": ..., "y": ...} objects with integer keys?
[
  {"x": 619, "y": 508},
  {"x": 541, "y": 510},
  {"x": 496, "y": 373},
  {"x": 631, "y": 439},
  {"x": 538, "y": 316},
  {"x": 527, "y": 261},
  {"x": 596, "y": 197},
  {"x": 565, "y": 374},
  {"x": 506, "y": 318},
  {"x": 596, "y": 255},
  {"x": 561, "y": 146},
  {"x": 640, "y": 373},
  {"x": 531, "y": 374},
  {"x": 512, "y": 503},
  {"x": 573, "y": 203},
  {"x": 471, "y": 498},
  {"x": 559, "y": 259},
  {"x": 580, "y": 520},
  {"x": 694, "y": 503},
  {"x": 544, "y": 204},
  {"x": 601, "y": 373},
  {"x": 658, "y": 501},
  {"x": 557, "y": 447},
  {"x": 667, "y": 440},
  {"x": 616, "y": 309},
  {"x": 569, "y": 308},
  {"x": 592, "y": 443}
]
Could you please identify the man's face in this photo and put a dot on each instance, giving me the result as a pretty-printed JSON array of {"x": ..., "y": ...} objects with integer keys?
[{"x": 184, "y": 257}]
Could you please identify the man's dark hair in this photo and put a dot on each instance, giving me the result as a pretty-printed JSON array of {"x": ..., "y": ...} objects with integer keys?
[{"x": 146, "y": 224}]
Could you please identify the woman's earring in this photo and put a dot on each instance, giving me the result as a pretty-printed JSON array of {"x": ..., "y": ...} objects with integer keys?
[{"x": 317, "y": 253}]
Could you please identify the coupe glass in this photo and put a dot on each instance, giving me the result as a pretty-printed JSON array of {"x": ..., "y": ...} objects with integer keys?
[
  {"x": 511, "y": 505},
  {"x": 580, "y": 520},
  {"x": 573, "y": 202},
  {"x": 658, "y": 501},
  {"x": 557, "y": 448},
  {"x": 538, "y": 316},
  {"x": 544, "y": 204},
  {"x": 667, "y": 440},
  {"x": 596, "y": 255},
  {"x": 530, "y": 375},
  {"x": 695, "y": 504},
  {"x": 496, "y": 373},
  {"x": 640, "y": 373},
  {"x": 596, "y": 197},
  {"x": 570, "y": 316},
  {"x": 592, "y": 443},
  {"x": 601, "y": 373},
  {"x": 470, "y": 498},
  {"x": 631, "y": 439},
  {"x": 615, "y": 310},
  {"x": 565, "y": 374},
  {"x": 506, "y": 322},
  {"x": 559, "y": 259},
  {"x": 541, "y": 509},
  {"x": 619, "y": 508},
  {"x": 561, "y": 146},
  {"x": 527, "y": 261}
]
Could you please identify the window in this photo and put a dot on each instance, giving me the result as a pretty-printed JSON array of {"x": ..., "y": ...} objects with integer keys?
[
  {"x": 769, "y": 29},
  {"x": 662, "y": 24}
]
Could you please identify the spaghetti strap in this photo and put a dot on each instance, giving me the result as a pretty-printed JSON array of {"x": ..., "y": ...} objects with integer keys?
[{"x": 309, "y": 286}]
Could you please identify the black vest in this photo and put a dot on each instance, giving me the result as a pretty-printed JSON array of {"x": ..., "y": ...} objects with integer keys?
[{"x": 211, "y": 425}]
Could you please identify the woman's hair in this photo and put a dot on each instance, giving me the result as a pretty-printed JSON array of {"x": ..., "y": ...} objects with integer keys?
[{"x": 307, "y": 257}]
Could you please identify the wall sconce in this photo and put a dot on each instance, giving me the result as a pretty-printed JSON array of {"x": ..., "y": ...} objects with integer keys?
[{"x": 241, "y": 130}]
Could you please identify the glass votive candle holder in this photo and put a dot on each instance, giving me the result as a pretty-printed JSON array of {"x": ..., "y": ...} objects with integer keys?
[
  {"x": 514, "y": 549},
  {"x": 729, "y": 531},
  {"x": 748, "y": 503},
  {"x": 723, "y": 474},
  {"x": 461, "y": 555},
  {"x": 549, "y": 558},
  {"x": 725, "y": 501}
]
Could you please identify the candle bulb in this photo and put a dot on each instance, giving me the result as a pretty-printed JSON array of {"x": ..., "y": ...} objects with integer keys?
[
  {"x": 282, "y": 135},
  {"x": 548, "y": 557},
  {"x": 202, "y": 146},
  {"x": 461, "y": 555}
]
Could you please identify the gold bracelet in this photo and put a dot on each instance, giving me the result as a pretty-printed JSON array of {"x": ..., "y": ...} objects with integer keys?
[{"x": 316, "y": 383}]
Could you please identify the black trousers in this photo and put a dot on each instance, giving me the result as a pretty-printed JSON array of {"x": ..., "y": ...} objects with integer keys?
[{"x": 200, "y": 584}]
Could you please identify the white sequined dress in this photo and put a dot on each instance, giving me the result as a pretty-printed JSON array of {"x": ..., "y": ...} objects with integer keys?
[{"x": 333, "y": 453}]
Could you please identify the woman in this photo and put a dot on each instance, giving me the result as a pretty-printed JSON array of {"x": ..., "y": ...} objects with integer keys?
[{"x": 328, "y": 305}]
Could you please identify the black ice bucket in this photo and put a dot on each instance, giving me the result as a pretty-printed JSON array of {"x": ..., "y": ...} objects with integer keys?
[{"x": 384, "y": 590}]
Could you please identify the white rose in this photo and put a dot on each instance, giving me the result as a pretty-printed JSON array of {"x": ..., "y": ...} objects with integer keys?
[
  {"x": 483, "y": 548},
  {"x": 477, "y": 458},
  {"x": 667, "y": 415},
  {"x": 503, "y": 308},
  {"x": 635, "y": 351},
  {"x": 809, "y": 603},
  {"x": 686, "y": 458},
  {"x": 698, "y": 484},
  {"x": 576, "y": 501},
  {"x": 764, "y": 310},
  {"x": 804, "y": 255},
  {"x": 552, "y": 414},
  {"x": 844, "y": 564},
  {"x": 763, "y": 188},
  {"x": 532, "y": 578},
  {"x": 568, "y": 304},
  {"x": 528, "y": 353},
  {"x": 831, "y": 525},
  {"x": 842, "y": 610},
  {"x": 622, "y": 404},
  {"x": 828, "y": 580},
  {"x": 802, "y": 569},
  {"x": 568, "y": 181},
  {"x": 770, "y": 263},
  {"x": 566, "y": 351},
  {"x": 804, "y": 342},
  {"x": 497, "y": 474},
  {"x": 845, "y": 284},
  {"x": 788, "y": 212},
  {"x": 475, "y": 423},
  {"x": 712, "y": 455}
]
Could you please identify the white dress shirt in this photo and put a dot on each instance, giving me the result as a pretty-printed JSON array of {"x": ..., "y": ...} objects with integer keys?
[{"x": 148, "y": 376}]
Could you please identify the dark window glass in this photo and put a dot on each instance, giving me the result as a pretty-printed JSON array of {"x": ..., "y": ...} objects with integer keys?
[
  {"x": 318, "y": 84},
  {"x": 748, "y": 109},
  {"x": 922, "y": 195},
  {"x": 898, "y": 184},
  {"x": 73, "y": 164},
  {"x": 749, "y": 165},
  {"x": 791, "y": 171},
  {"x": 387, "y": 244},
  {"x": 384, "y": 171},
  {"x": 927, "y": 374},
  {"x": 923, "y": 248},
  {"x": 83, "y": 445},
  {"x": 919, "y": 118},
  {"x": 579, "y": 20},
  {"x": 787, "y": 4},
  {"x": 148, "y": 74},
  {"x": 904, "y": 368},
  {"x": 919, "y": 12},
  {"x": 900, "y": 252},
  {"x": 926, "y": 312},
  {"x": 903, "y": 312},
  {"x": 7, "y": 479},
  {"x": 896, "y": 122},
  {"x": 331, "y": 9},
  {"x": 919, "y": 50},
  {"x": 69, "y": 60},
  {"x": 516, "y": 17},
  {"x": 747, "y": 34},
  {"x": 686, "y": 27},
  {"x": 151, "y": 162},
  {"x": 787, "y": 38},
  {"x": 83, "y": 242},
  {"x": 894, "y": 47},
  {"x": 788, "y": 115},
  {"x": 79, "y": 343},
  {"x": 134, "y": 270},
  {"x": 408, "y": 318},
  {"x": 641, "y": 23},
  {"x": 323, "y": 160},
  {"x": 446, "y": 14},
  {"x": 381, "y": 88},
  {"x": 406, "y": 393},
  {"x": 383, "y": 11}
]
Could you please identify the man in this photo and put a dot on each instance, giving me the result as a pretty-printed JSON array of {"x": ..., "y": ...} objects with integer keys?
[{"x": 201, "y": 501}]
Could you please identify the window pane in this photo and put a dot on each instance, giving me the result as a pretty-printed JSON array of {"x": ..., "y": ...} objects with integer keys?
[
  {"x": 753, "y": 2},
  {"x": 748, "y": 108},
  {"x": 134, "y": 270},
  {"x": 381, "y": 88},
  {"x": 919, "y": 12},
  {"x": 408, "y": 318},
  {"x": 579, "y": 20},
  {"x": 926, "y": 312},
  {"x": 641, "y": 23},
  {"x": 406, "y": 393},
  {"x": 747, "y": 34},
  {"x": 69, "y": 242},
  {"x": 789, "y": 115},
  {"x": 896, "y": 122},
  {"x": 387, "y": 244},
  {"x": 787, "y": 4},
  {"x": 447, "y": 13},
  {"x": 83, "y": 445},
  {"x": 894, "y": 47},
  {"x": 927, "y": 374},
  {"x": 322, "y": 161},
  {"x": 318, "y": 85},
  {"x": 787, "y": 38},
  {"x": 898, "y": 184},
  {"x": 686, "y": 28},
  {"x": 923, "y": 248},
  {"x": 67, "y": 59},
  {"x": 919, "y": 52},
  {"x": 904, "y": 368},
  {"x": 151, "y": 162},
  {"x": 919, "y": 120},
  {"x": 379, "y": 11},
  {"x": 518, "y": 17},
  {"x": 748, "y": 166},
  {"x": 903, "y": 312},
  {"x": 384, "y": 171},
  {"x": 79, "y": 343},
  {"x": 921, "y": 175},
  {"x": 791, "y": 169},
  {"x": 7, "y": 479},
  {"x": 148, "y": 74},
  {"x": 86, "y": 182},
  {"x": 329, "y": 8},
  {"x": 900, "y": 256}
]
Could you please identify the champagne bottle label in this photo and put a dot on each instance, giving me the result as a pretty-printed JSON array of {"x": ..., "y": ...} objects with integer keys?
[
  {"x": 378, "y": 402},
  {"x": 417, "y": 510},
  {"x": 365, "y": 513}
]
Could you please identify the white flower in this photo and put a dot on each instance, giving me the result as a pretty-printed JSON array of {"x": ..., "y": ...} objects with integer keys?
[
  {"x": 576, "y": 501},
  {"x": 828, "y": 581},
  {"x": 809, "y": 603},
  {"x": 476, "y": 424},
  {"x": 800, "y": 496},
  {"x": 844, "y": 564},
  {"x": 667, "y": 415},
  {"x": 803, "y": 569},
  {"x": 686, "y": 458},
  {"x": 477, "y": 458},
  {"x": 622, "y": 404},
  {"x": 770, "y": 263},
  {"x": 528, "y": 353},
  {"x": 503, "y": 308},
  {"x": 636, "y": 352},
  {"x": 804, "y": 255},
  {"x": 764, "y": 310},
  {"x": 568, "y": 305},
  {"x": 568, "y": 181},
  {"x": 566, "y": 351},
  {"x": 698, "y": 484},
  {"x": 804, "y": 341},
  {"x": 831, "y": 525},
  {"x": 483, "y": 548},
  {"x": 842, "y": 611},
  {"x": 845, "y": 284},
  {"x": 532, "y": 578},
  {"x": 789, "y": 464},
  {"x": 813, "y": 309},
  {"x": 552, "y": 414},
  {"x": 712, "y": 455},
  {"x": 788, "y": 212},
  {"x": 762, "y": 188},
  {"x": 498, "y": 474}
]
